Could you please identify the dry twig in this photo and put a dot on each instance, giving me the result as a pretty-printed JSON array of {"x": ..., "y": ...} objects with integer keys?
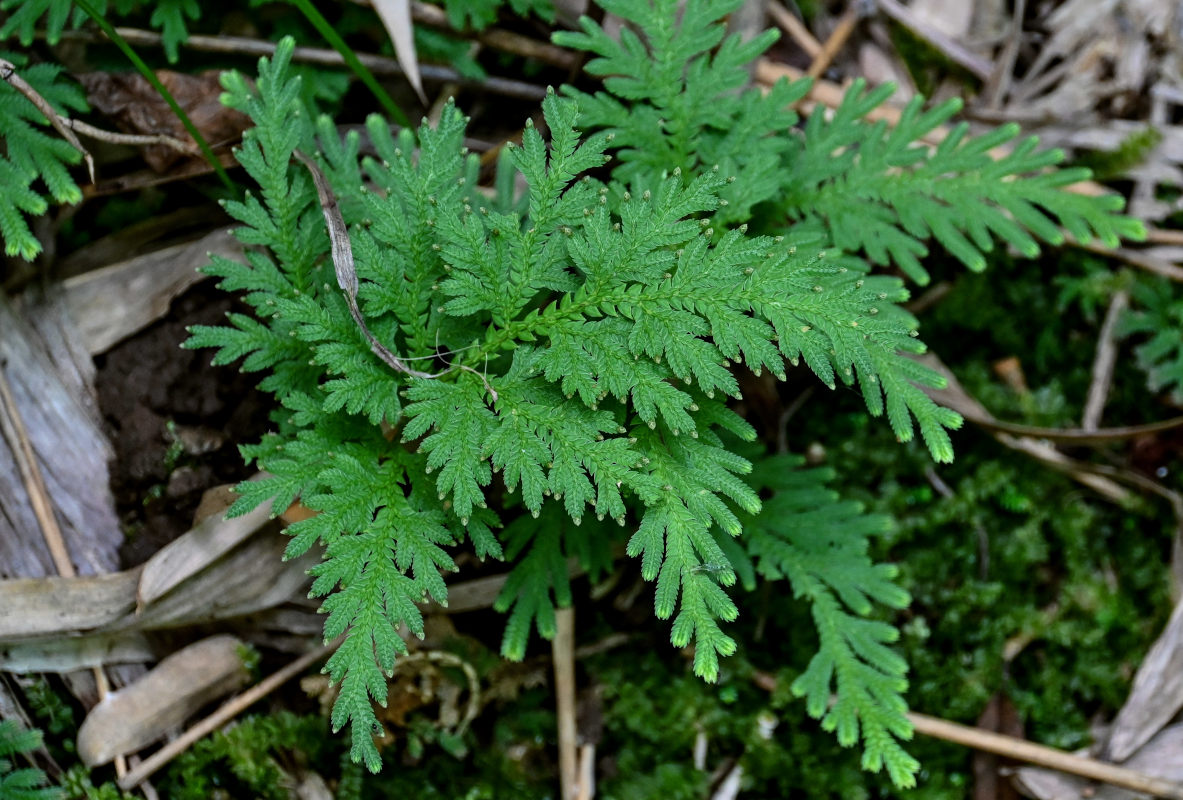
[
  {"x": 1028, "y": 752},
  {"x": 846, "y": 24},
  {"x": 563, "y": 649},
  {"x": 795, "y": 28},
  {"x": 9, "y": 74},
  {"x": 133, "y": 139},
  {"x": 379, "y": 65},
  {"x": 1103, "y": 363}
]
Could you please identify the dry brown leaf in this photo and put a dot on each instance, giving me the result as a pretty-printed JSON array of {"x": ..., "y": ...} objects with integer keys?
[
  {"x": 114, "y": 302},
  {"x": 170, "y": 693},
  {"x": 1157, "y": 694},
  {"x": 396, "y": 18},
  {"x": 136, "y": 107}
]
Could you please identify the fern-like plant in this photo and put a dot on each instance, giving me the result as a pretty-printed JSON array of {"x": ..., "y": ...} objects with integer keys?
[
  {"x": 32, "y": 152},
  {"x": 673, "y": 98},
  {"x": 1157, "y": 316},
  {"x": 21, "y": 783},
  {"x": 542, "y": 375}
]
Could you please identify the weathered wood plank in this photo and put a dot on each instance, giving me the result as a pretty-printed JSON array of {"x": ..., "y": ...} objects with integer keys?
[{"x": 50, "y": 381}]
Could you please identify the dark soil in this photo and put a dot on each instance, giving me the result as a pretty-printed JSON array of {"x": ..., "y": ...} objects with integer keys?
[{"x": 175, "y": 422}]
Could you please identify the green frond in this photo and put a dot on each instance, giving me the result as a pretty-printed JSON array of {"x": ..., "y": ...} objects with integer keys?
[
  {"x": 34, "y": 152},
  {"x": 462, "y": 424},
  {"x": 884, "y": 192},
  {"x": 1157, "y": 322},
  {"x": 24, "y": 16},
  {"x": 806, "y": 535},
  {"x": 22, "y": 783},
  {"x": 672, "y": 99},
  {"x": 170, "y": 16},
  {"x": 537, "y": 584},
  {"x": 573, "y": 346},
  {"x": 383, "y": 556}
]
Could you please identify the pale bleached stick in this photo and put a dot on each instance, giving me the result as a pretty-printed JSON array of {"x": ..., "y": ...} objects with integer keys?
[
  {"x": 563, "y": 649},
  {"x": 8, "y": 72},
  {"x": 1028, "y": 752},
  {"x": 1104, "y": 362}
]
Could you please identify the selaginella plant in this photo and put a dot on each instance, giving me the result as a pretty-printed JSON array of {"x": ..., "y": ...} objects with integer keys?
[
  {"x": 21, "y": 783},
  {"x": 544, "y": 375}
]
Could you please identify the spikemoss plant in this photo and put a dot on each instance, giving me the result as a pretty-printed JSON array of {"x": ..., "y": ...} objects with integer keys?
[{"x": 543, "y": 375}]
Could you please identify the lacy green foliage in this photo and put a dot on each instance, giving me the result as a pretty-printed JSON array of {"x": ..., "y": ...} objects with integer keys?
[
  {"x": 1159, "y": 318},
  {"x": 76, "y": 784},
  {"x": 246, "y": 753},
  {"x": 31, "y": 152},
  {"x": 884, "y": 194},
  {"x": 578, "y": 353},
  {"x": 672, "y": 101},
  {"x": 16, "y": 782},
  {"x": 25, "y": 19},
  {"x": 479, "y": 14},
  {"x": 820, "y": 544}
]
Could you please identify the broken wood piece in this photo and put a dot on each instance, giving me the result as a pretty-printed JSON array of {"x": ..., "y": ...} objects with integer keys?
[
  {"x": 112, "y": 303},
  {"x": 16, "y": 436},
  {"x": 188, "y": 555},
  {"x": 250, "y": 578},
  {"x": 53, "y": 397},
  {"x": 67, "y": 654},
  {"x": 60, "y": 606},
  {"x": 170, "y": 693}
]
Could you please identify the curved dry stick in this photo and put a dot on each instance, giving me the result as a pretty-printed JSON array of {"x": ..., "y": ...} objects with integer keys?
[
  {"x": 133, "y": 139},
  {"x": 1081, "y": 436},
  {"x": 8, "y": 74},
  {"x": 342, "y": 253}
]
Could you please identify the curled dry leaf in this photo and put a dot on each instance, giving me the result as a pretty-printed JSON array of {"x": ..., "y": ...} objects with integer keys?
[
  {"x": 163, "y": 699},
  {"x": 135, "y": 107},
  {"x": 1157, "y": 694}
]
